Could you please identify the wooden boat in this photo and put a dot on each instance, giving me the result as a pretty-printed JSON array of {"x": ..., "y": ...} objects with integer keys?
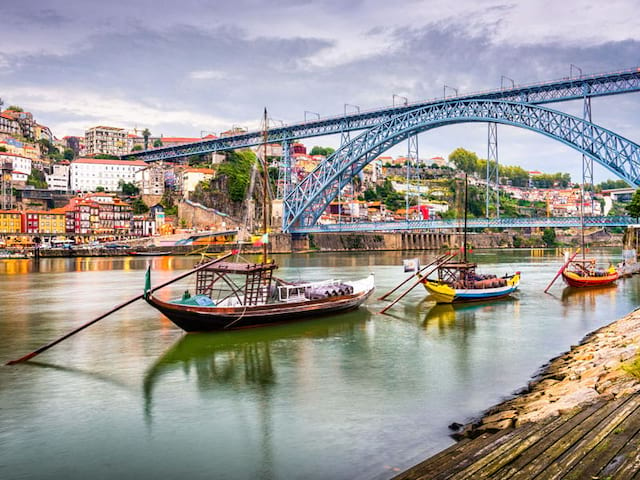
[
  {"x": 237, "y": 295},
  {"x": 584, "y": 273},
  {"x": 12, "y": 255},
  {"x": 459, "y": 282},
  {"x": 148, "y": 254}
]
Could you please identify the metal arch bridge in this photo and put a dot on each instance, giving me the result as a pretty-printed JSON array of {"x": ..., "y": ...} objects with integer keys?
[
  {"x": 472, "y": 223},
  {"x": 306, "y": 202},
  {"x": 570, "y": 88}
]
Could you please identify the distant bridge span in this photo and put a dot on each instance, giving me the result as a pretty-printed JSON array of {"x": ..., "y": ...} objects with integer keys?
[
  {"x": 472, "y": 223},
  {"x": 306, "y": 202}
]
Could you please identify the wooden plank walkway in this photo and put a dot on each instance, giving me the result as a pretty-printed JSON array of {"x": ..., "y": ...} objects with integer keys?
[{"x": 601, "y": 441}]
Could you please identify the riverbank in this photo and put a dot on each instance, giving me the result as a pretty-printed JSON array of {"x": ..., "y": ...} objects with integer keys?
[
  {"x": 583, "y": 406},
  {"x": 599, "y": 367}
]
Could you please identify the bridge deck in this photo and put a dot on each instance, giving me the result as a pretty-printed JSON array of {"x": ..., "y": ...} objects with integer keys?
[{"x": 598, "y": 441}]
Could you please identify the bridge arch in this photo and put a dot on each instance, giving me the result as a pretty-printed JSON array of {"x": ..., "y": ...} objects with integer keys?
[{"x": 304, "y": 204}]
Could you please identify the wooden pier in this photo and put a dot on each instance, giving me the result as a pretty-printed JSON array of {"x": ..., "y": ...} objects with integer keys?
[{"x": 600, "y": 441}]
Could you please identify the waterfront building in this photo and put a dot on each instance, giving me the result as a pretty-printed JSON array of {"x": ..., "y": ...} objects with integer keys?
[
  {"x": 10, "y": 221},
  {"x": 25, "y": 122},
  {"x": 87, "y": 174},
  {"x": 107, "y": 140},
  {"x": 43, "y": 222}
]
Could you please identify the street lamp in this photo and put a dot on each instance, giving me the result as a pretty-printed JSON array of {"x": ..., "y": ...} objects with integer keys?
[
  {"x": 312, "y": 113},
  {"x": 444, "y": 90},
  {"x": 356, "y": 107},
  {"x": 503, "y": 78},
  {"x": 405, "y": 102},
  {"x": 571, "y": 68}
]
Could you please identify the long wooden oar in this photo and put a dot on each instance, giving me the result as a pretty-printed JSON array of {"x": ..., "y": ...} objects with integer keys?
[
  {"x": 446, "y": 259},
  {"x": 115, "y": 309},
  {"x": 562, "y": 269},
  {"x": 437, "y": 260}
]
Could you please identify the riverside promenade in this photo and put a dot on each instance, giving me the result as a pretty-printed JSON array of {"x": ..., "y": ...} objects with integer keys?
[{"x": 579, "y": 419}]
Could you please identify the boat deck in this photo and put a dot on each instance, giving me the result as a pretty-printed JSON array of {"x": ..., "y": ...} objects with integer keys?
[{"x": 599, "y": 441}]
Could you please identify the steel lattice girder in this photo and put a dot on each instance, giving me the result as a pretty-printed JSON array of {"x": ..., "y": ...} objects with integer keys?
[
  {"x": 543, "y": 222},
  {"x": 305, "y": 203},
  {"x": 547, "y": 92}
]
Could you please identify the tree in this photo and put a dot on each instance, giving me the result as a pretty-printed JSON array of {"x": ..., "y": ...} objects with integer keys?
[
  {"x": 634, "y": 206},
  {"x": 68, "y": 154},
  {"x": 3, "y": 148},
  {"x": 464, "y": 160},
  {"x": 128, "y": 189},
  {"x": 136, "y": 148},
  {"x": 138, "y": 207},
  {"x": 325, "y": 151},
  {"x": 146, "y": 134},
  {"x": 99, "y": 188},
  {"x": 37, "y": 179},
  {"x": 549, "y": 237},
  {"x": 15, "y": 108},
  {"x": 157, "y": 143}
]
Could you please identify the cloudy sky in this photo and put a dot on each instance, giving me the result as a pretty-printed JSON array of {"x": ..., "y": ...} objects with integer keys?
[{"x": 192, "y": 67}]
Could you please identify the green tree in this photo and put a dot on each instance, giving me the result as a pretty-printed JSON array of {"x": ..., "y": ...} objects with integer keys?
[
  {"x": 99, "y": 188},
  {"x": 105, "y": 156},
  {"x": 68, "y": 154},
  {"x": 138, "y": 207},
  {"x": 326, "y": 151},
  {"x": 15, "y": 108},
  {"x": 464, "y": 160},
  {"x": 146, "y": 134},
  {"x": 3, "y": 148},
  {"x": 237, "y": 169},
  {"x": 634, "y": 206},
  {"x": 136, "y": 148},
  {"x": 549, "y": 237},
  {"x": 128, "y": 188},
  {"x": 37, "y": 179},
  {"x": 157, "y": 143}
]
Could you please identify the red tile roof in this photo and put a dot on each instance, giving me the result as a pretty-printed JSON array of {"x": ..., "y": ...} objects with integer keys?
[{"x": 101, "y": 161}]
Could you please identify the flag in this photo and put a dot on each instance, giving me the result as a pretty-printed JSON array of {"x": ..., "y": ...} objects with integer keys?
[
  {"x": 147, "y": 280},
  {"x": 263, "y": 240},
  {"x": 411, "y": 264}
]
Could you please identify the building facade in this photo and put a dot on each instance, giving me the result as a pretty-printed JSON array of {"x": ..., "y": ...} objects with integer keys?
[
  {"x": 87, "y": 174},
  {"x": 107, "y": 140}
]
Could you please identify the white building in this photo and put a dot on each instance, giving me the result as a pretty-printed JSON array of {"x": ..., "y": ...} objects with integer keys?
[
  {"x": 89, "y": 173},
  {"x": 58, "y": 179},
  {"x": 21, "y": 165},
  {"x": 107, "y": 140},
  {"x": 192, "y": 176}
]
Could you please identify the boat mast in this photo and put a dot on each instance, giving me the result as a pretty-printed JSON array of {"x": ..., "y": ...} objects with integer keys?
[
  {"x": 464, "y": 233},
  {"x": 265, "y": 200}
]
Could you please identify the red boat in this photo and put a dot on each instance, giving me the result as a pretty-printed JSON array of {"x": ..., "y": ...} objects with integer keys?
[{"x": 583, "y": 273}]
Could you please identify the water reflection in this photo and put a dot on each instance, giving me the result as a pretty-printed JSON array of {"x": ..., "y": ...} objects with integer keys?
[
  {"x": 242, "y": 358},
  {"x": 442, "y": 317}
]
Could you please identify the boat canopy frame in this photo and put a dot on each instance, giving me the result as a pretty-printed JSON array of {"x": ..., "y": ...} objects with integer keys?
[{"x": 254, "y": 287}]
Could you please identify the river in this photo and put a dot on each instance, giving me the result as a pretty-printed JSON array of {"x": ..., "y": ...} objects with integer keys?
[{"x": 356, "y": 396}]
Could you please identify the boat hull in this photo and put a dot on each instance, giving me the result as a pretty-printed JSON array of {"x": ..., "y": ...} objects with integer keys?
[
  {"x": 205, "y": 319},
  {"x": 442, "y": 292},
  {"x": 580, "y": 281}
]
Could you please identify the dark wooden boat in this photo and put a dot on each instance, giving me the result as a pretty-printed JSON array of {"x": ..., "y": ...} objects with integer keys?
[{"x": 240, "y": 295}]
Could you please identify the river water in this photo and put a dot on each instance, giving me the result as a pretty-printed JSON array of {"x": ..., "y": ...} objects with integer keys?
[{"x": 356, "y": 396}]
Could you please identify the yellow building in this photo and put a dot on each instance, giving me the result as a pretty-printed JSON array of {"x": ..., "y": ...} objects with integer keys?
[
  {"x": 10, "y": 221},
  {"x": 52, "y": 221}
]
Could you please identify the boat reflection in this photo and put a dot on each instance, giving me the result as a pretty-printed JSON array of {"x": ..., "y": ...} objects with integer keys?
[
  {"x": 572, "y": 295},
  {"x": 242, "y": 357},
  {"x": 445, "y": 316}
]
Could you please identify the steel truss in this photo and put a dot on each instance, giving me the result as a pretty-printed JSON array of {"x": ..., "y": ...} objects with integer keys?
[
  {"x": 305, "y": 203},
  {"x": 539, "y": 93}
]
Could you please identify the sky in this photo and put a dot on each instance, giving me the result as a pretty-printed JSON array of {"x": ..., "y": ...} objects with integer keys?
[{"x": 195, "y": 67}]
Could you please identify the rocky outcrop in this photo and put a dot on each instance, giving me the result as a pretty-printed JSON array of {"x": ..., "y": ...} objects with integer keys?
[{"x": 593, "y": 370}]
